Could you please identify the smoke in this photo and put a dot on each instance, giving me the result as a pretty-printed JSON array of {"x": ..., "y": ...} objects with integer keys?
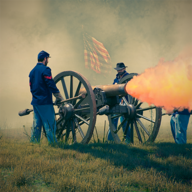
[{"x": 167, "y": 85}]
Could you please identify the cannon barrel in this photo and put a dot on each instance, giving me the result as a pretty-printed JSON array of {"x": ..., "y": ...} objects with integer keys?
[
  {"x": 25, "y": 112},
  {"x": 110, "y": 90}
]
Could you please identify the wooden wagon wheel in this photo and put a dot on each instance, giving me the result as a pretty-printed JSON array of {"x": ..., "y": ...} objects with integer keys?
[
  {"x": 76, "y": 116},
  {"x": 144, "y": 125}
]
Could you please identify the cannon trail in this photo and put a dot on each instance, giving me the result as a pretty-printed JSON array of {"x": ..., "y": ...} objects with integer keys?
[{"x": 167, "y": 85}]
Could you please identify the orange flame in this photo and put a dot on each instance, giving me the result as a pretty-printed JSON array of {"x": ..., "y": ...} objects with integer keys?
[{"x": 167, "y": 85}]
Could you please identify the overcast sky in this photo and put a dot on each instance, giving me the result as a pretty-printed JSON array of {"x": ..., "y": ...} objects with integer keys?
[{"x": 135, "y": 32}]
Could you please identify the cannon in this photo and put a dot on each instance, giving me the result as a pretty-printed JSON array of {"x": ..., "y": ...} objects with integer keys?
[{"x": 76, "y": 115}]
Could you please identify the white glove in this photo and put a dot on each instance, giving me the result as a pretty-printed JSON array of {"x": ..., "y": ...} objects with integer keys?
[{"x": 58, "y": 97}]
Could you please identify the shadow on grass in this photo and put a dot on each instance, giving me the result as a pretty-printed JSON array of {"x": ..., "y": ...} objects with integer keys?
[{"x": 175, "y": 161}]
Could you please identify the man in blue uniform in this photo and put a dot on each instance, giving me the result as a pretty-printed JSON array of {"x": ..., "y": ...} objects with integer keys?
[
  {"x": 121, "y": 72},
  {"x": 179, "y": 123},
  {"x": 42, "y": 86}
]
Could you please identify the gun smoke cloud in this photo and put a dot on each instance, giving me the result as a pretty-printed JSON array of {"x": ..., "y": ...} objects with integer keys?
[{"x": 167, "y": 85}]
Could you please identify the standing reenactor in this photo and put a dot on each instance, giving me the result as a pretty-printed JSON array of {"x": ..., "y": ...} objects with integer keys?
[
  {"x": 121, "y": 72},
  {"x": 42, "y": 86},
  {"x": 179, "y": 123}
]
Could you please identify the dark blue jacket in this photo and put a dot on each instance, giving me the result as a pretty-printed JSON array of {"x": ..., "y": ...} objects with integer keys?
[
  {"x": 117, "y": 79},
  {"x": 41, "y": 85}
]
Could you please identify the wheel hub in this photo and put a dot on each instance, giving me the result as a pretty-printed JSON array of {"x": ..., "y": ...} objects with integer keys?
[
  {"x": 67, "y": 111},
  {"x": 131, "y": 111}
]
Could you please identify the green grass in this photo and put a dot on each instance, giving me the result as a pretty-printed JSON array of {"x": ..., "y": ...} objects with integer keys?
[{"x": 160, "y": 166}]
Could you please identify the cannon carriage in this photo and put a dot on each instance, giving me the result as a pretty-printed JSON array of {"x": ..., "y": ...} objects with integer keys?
[{"x": 76, "y": 115}]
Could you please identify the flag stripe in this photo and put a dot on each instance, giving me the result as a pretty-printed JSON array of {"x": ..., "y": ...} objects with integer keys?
[
  {"x": 99, "y": 59},
  {"x": 97, "y": 42},
  {"x": 96, "y": 56},
  {"x": 101, "y": 48}
]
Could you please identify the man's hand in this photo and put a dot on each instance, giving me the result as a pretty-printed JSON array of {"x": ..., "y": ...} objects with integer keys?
[{"x": 58, "y": 97}]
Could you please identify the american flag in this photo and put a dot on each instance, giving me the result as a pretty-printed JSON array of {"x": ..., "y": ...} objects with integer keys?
[{"x": 96, "y": 55}]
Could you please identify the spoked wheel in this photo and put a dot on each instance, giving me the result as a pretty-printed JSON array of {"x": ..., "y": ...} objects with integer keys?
[
  {"x": 76, "y": 116},
  {"x": 144, "y": 123}
]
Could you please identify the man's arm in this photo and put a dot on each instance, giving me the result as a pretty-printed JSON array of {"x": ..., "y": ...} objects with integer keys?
[
  {"x": 51, "y": 84},
  {"x": 49, "y": 80}
]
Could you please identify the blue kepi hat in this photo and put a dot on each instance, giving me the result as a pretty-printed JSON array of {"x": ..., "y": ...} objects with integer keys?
[{"x": 42, "y": 55}]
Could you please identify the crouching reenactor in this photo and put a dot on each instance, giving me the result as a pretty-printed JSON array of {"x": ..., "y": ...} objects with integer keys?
[{"x": 42, "y": 86}]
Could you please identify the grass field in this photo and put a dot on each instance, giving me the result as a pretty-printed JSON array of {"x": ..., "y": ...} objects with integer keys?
[{"x": 160, "y": 166}]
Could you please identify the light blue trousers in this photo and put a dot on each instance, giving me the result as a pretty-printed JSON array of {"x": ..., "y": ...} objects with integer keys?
[
  {"x": 179, "y": 125},
  {"x": 44, "y": 115},
  {"x": 115, "y": 122}
]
